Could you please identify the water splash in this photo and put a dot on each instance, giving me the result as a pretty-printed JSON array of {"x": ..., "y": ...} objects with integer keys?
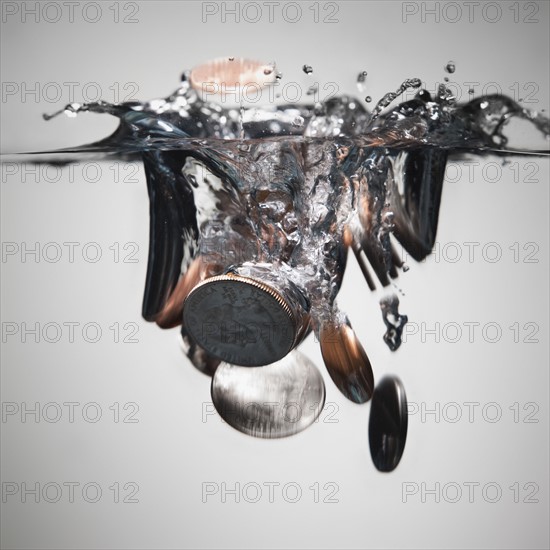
[
  {"x": 391, "y": 96},
  {"x": 313, "y": 179},
  {"x": 272, "y": 198}
]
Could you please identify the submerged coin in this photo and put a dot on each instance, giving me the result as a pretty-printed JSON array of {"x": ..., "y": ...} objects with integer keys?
[
  {"x": 273, "y": 401},
  {"x": 388, "y": 423},
  {"x": 240, "y": 320},
  {"x": 346, "y": 360}
]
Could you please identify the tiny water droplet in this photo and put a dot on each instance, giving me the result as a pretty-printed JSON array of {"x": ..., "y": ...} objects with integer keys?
[
  {"x": 450, "y": 67},
  {"x": 405, "y": 268},
  {"x": 446, "y": 79},
  {"x": 368, "y": 99},
  {"x": 231, "y": 59},
  {"x": 361, "y": 77},
  {"x": 298, "y": 121},
  {"x": 268, "y": 70},
  {"x": 313, "y": 89},
  {"x": 278, "y": 76},
  {"x": 308, "y": 69},
  {"x": 412, "y": 83},
  {"x": 471, "y": 91}
]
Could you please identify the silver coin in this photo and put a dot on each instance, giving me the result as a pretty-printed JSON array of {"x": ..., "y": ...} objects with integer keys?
[
  {"x": 239, "y": 320},
  {"x": 273, "y": 401}
]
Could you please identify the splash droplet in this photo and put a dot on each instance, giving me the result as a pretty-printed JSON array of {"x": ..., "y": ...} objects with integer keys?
[
  {"x": 450, "y": 67},
  {"x": 312, "y": 90},
  {"x": 298, "y": 121},
  {"x": 361, "y": 78},
  {"x": 308, "y": 69},
  {"x": 231, "y": 59}
]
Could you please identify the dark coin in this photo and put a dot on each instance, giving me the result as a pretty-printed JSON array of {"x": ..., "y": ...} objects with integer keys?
[
  {"x": 273, "y": 401},
  {"x": 240, "y": 320},
  {"x": 388, "y": 423}
]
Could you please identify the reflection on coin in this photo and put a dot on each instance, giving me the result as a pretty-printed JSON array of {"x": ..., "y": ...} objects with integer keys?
[
  {"x": 388, "y": 423},
  {"x": 273, "y": 401},
  {"x": 240, "y": 320}
]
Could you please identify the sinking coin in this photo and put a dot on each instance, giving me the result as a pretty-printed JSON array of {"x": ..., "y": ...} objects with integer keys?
[
  {"x": 346, "y": 360},
  {"x": 240, "y": 320},
  {"x": 272, "y": 401},
  {"x": 388, "y": 424}
]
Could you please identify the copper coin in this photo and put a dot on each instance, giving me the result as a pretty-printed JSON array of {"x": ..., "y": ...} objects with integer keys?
[{"x": 225, "y": 75}]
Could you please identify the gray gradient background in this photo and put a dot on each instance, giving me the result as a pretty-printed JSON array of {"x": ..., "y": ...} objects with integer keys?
[{"x": 170, "y": 452}]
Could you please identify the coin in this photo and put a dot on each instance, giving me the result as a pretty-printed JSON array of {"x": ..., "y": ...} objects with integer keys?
[
  {"x": 273, "y": 401},
  {"x": 346, "y": 360},
  {"x": 226, "y": 76},
  {"x": 240, "y": 320},
  {"x": 388, "y": 424}
]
